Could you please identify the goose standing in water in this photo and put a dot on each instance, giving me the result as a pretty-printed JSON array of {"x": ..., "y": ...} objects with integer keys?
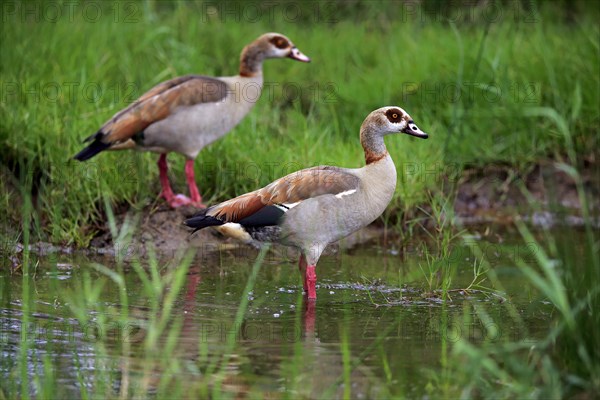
[{"x": 314, "y": 207}]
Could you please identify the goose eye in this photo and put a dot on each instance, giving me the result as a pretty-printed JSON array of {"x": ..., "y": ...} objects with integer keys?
[{"x": 394, "y": 116}]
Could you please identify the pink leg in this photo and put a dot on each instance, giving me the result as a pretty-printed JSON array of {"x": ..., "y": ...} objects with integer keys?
[
  {"x": 311, "y": 280},
  {"x": 191, "y": 181},
  {"x": 302, "y": 268},
  {"x": 166, "y": 190}
]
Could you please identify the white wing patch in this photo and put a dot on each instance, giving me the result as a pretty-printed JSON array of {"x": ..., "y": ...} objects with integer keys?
[
  {"x": 345, "y": 193},
  {"x": 285, "y": 207}
]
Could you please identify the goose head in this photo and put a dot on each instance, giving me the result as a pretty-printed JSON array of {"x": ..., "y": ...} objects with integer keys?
[
  {"x": 393, "y": 119},
  {"x": 276, "y": 45}
]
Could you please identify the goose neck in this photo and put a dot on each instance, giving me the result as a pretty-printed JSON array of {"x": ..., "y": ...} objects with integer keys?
[
  {"x": 251, "y": 61},
  {"x": 373, "y": 145}
]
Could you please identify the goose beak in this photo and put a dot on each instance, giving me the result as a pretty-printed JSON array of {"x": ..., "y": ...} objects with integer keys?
[
  {"x": 296, "y": 54},
  {"x": 413, "y": 130}
]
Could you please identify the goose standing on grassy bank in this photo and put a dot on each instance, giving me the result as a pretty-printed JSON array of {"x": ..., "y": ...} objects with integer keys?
[
  {"x": 186, "y": 114},
  {"x": 314, "y": 207}
]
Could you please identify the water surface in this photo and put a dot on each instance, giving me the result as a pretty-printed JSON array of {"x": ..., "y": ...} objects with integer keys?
[{"x": 376, "y": 329}]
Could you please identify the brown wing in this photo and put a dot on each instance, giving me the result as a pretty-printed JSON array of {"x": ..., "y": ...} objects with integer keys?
[
  {"x": 295, "y": 187},
  {"x": 158, "y": 103}
]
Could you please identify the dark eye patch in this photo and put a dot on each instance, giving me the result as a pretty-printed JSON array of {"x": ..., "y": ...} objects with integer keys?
[
  {"x": 279, "y": 42},
  {"x": 394, "y": 115}
]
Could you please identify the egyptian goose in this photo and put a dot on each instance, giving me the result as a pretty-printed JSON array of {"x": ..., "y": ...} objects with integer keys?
[
  {"x": 186, "y": 114},
  {"x": 313, "y": 207}
]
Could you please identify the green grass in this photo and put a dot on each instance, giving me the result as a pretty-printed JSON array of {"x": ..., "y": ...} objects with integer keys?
[
  {"x": 564, "y": 363},
  {"x": 469, "y": 84},
  {"x": 566, "y": 274},
  {"x": 511, "y": 93}
]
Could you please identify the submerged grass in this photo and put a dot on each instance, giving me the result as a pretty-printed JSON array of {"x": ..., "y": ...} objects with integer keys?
[
  {"x": 133, "y": 354},
  {"x": 565, "y": 363},
  {"x": 566, "y": 273},
  {"x": 148, "y": 355},
  {"x": 470, "y": 84}
]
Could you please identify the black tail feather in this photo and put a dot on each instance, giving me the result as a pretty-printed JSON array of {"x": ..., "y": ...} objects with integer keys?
[
  {"x": 91, "y": 150},
  {"x": 201, "y": 220}
]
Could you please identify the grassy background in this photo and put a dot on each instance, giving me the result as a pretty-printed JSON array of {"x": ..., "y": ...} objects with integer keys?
[
  {"x": 474, "y": 81},
  {"x": 510, "y": 92}
]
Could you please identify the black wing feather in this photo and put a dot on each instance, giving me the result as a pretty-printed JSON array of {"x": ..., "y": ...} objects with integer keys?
[
  {"x": 266, "y": 216},
  {"x": 201, "y": 220}
]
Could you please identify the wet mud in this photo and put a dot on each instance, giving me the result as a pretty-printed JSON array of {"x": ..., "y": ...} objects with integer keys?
[{"x": 545, "y": 196}]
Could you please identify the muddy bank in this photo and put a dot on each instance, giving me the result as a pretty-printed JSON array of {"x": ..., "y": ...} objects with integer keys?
[
  {"x": 545, "y": 196},
  {"x": 164, "y": 232}
]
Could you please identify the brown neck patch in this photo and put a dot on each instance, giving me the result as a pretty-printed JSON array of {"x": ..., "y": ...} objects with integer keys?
[
  {"x": 371, "y": 157},
  {"x": 251, "y": 60}
]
